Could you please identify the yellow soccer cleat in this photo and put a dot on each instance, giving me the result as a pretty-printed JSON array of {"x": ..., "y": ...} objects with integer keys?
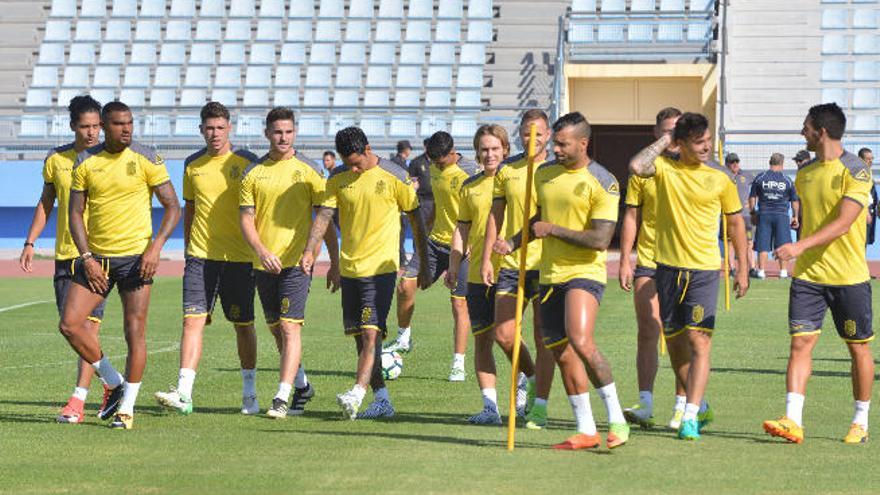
[
  {"x": 857, "y": 434},
  {"x": 122, "y": 422},
  {"x": 785, "y": 428}
]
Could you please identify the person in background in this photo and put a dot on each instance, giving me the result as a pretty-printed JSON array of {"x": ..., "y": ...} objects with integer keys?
[
  {"x": 867, "y": 156},
  {"x": 771, "y": 193},
  {"x": 329, "y": 162},
  {"x": 743, "y": 182},
  {"x": 403, "y": 151}
]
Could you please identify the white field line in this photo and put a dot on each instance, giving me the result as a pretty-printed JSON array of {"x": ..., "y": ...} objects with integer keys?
[
  {"x": 22, "y": 305},
  {"x": 72, "y": 360}
]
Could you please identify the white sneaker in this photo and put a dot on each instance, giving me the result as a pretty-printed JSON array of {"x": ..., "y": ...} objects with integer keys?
[
  {"x": 522, "y": 394},
  {"x": 379, "y": 408},
  {"x": 250, "y": 406},
  {"x": 349, "y": 403},
  {"x": 402, "y": 346},
  {"x": 488, "y": 416},
  {"x": 761, "y": 274},
  {"x": 783, "y": 274},
  {"x": 457, "y": 374}
]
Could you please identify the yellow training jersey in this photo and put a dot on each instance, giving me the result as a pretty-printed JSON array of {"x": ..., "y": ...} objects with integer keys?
[
  {"x": 283, "y": 194},
  {"x": 213, "y": 184},
  {"x": 476, "y": 202},
  {"x": 446, "y": 186},
  {"x": 118, "y": 187},
  {"x": 369, "y": 205},
  {"x": 510, "y": 185},
  {"x": 574, "y": 199},
  {"x": 58, "y": 171},
  {"x": 641, "y": 192},
  {"x": 690, "y": 201},
  {"x": 821, "y": 187}
]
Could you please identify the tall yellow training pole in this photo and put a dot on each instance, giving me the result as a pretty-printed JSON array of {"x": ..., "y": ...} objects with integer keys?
[
  {"x": 726, "y": 240},
  {"x": 520, "y": 288}
]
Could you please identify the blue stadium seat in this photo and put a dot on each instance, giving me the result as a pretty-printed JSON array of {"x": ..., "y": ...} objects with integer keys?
[
  {"x": 480, "y": 31},
  {"x": 643, "y": 6},
  {"x": 472, "y": 54},
  {"x": 103, "y": 95},
  {"x": 258, "y": 77},
  {"x": 187, "y": 125},
  {"x": 402, "y": 126},
  {"x": 167, "y": 77},
  {"x": 442, "y": 54},
  {"x": 232, "y": 54},
  {"x": 318, "y": 76},
  {"x": 450, "y": 9},
  {"x": 463, "y": 127},
  {"x": 864, "y": 19},
  {"x": 272, "y": 9},
  {"x": 412, "y": 53},
  {"x": 345, "y": 98},
  {"x": 268, "y": 30},
  {"x": 65, "y": 95},
  {"x": 287, "y": 76},
  {"x": 137, "y": 76},
  {"x": 432, "y": 124},
  {"x": 311, "y": 126},
  {"x": 479, "y": 9},
  {"x": 323, "y": 53},
  {"x": 293, "y": 53},
  {"x": 610, "y": 33},
  {"x": 331, "y": 9},
  {"x": 835, "y": 19},
  {"x": 125, "y": 8},
  {"x": 865, "y": 70},
  {"x": 227, "y": 97},
  {"x": 302, "y": 10},
  {"x": 702, "y": 5},
  {"x": 337, "y": 123},
  {"x": 863, "y": 122},
  {"x": 105, "y": 77},
  {"x": 373, "y": 126},
  {"x": 420, "y": 9},
  {"x": 390, "y": 9},
  {"x": 362, "y": 9},
  {"x": 580, "y": 32},
  {"x": 383, "y": 53},
  {"x": 172, "y": 54},
  {"x": 583, "y": 7},
  {"x": 448, "y": 31},
  {"x": 57, "y": 31},
  {"x": 316, "y": 97},
  {"x": 93, "y": 8},
  {"x": 51, "y": 54},
  {"x": 33, "y": 125},
  {"x": 439, "y": 77},
  {"x": 357, "y": 31},
  {"x": 132, "y": 97},
  {"x": 467, "y": 98},
  {"x": 153, "y": 8},
  {"x": 249, "y": 125},
  {"x": 406, "y": 98},
  {"x": 835, "y": 44},
  {"x": 299, "y": 31},
  {"x": 38, "y": 98},
  {"x": 353, "y": 53},
  {"x": 390, "y": 31},
  {"x": 202, "y": 54},
  {"x": 409, "y": 76},
  {"x": 670, "y": 31},
  {"x": 864, "y": 44},
  {"x": 376, "y": 98},
  {"x": 183, "y": 8},
  {"x": 208, "y": 30},
  {"x": 348, "y": 76},
  {"x": 262, "y": 54},
  {"x": 470, "y": 77},
  {"x": 671, "y": 5},
  {"x": 242, "y": 8},
  {"x": 866, "y": 98},
  {"x": 44, "y": 77},
  {"x": 148, "y": 30},
  {"x": 640, "y": 32},
  {"x": 112, "y": 54},
  {"x": 163, "y": 98},
  {"x": 227, "y": 77},
  {"x": 286, "y": 97},
  {"x": 437, "y": 98},
  {"x": 178, "y": 30},
  {"x": 84, "y": 54},
  {"x": 378, "y": 77},
  {"x": 699, "y": 31},
  {"x": 613, "y": 6},
  {"x": 213, "y": 8},
  {"x": 143, "y": 54},
  {"x": 836, "y": 95},
  {"x": 418, "y": 31},
  {"x": 238, "y": 30},
  {"x": 326, "y": 30},
  {"x": 197, "y": 76},
  {"x": 833, "y": 70}
]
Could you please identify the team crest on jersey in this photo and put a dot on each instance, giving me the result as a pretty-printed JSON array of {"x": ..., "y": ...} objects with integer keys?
[
  {"x": 580, "y": 188},
  {"x": 235, "y": 311},
  {"x": 297, "y": 176},
  {"x": 366, "y": 313},
  {"x": 863, "y": 175},
  {"x": 454, "y": 183},
  {"x": 836, "y": 182},
  {"x": 285, "y": 305},
  {"x": 849, "y": 328},
  {"x": 160, "y": 160},
  {"x": 614, "y": 189},
  {"x": 131, "y": 168},
  {"x": 698, "y": 314},
  {"x": 380, "y": 187},
  {"x": 234, "y": 172},
  {"x": 742, "y": 179},
  {"x": 709, "y": 182}
]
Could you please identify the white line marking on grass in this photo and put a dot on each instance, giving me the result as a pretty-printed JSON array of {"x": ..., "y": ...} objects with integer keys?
[
  {"x": 22, "y": 305},
  {"x": 72, "y": 360}
]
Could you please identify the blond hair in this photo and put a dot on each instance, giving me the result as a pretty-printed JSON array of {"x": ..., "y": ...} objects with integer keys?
[{"x": 492, "y": 130}]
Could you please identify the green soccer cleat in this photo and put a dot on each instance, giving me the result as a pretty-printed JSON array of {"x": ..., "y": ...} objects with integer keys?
[
  {"x": 689, "y": 430},
  {"x": 618, "y": 434},
  {"x": 638, "y": 415},
  {"x": 176, "y": 401},
  {"x": 536, "y": 419},
  {"x": 705, "y": 418},
  {"x": 531, "y": 393}
]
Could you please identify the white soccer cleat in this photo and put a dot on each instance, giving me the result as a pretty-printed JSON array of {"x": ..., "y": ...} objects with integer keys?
[
  {"x": 457, "y": 374},
  {"x": 761, "y": 274},
  {"x": 399, "y": 345},
  {"x": 522, "y": 394},
  {"x": 675, "y": 421},
  {"x": 174, "y": 400},
  {"x": 250, "y": 406},
  {"x": 379, "y": 408},
  {"x": 488, "y": 416},
  {"x": 349, "y": 403},
  {"x": 783, "y": 274}
]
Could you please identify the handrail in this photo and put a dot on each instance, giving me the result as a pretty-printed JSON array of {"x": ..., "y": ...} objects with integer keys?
[{"x": 559, "y": 74}]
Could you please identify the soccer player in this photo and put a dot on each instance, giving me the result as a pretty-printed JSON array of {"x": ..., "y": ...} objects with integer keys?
[
  {"x": 85, "y": 122},
  {"x": 448, "y": 172},
  {"x": 830, "y": 272},
  {"x": 116, "y": 179},
  {"x": 769, "y": 199},
  {"x": 743, "y": 181},
  {"x": 576, "y": 216},
  {"x": 508, "y": 204},
  {"x": 493, "y": 146},
  {"x": 369, "y": 193},
  {"x": 329, "y": 162},
  {"x": 278, "y": 193},
  {"x": 641, "y": 199},
  {"x": 692, "y": 191}
]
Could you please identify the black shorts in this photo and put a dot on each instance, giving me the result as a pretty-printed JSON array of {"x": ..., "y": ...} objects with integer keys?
[
  {"x": 644, "y": 271},
  {"x": 774, "y": 230},
  {"x": 426, "y": 210},
  {"x": 481, "y": 307},
  {"x": 553, "y": 307},
  {"x": 206, "y": 280},
  {"x": 283, "y": 296},
  {"x": 61, "y": 280},
  {"x": 438, "y": 263},
  {"x": 688, "y": 299},
  {"x": 121, "y": 271},
  {"x": 366, "y": 302},
  {"x": 508, "y": 280},
  {"x": 850, "y": 308}
]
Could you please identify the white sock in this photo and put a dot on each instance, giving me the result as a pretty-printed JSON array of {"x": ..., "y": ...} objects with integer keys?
[
  {"x": 646, "y": 400},
  {"x": 794, "y": 407},
  {"x": 108, "y": 373},
  {"x": 359, "y": 392},
  {"x": 248, "y": 383},
  {"x": 80, "y": 393},
  {"x": 690, "y": 412},
  {"x": 283, "y": 391},
  {"x": 490, "y": 398},
  {"x": 608, "y": 394},
  {"x": 861, "y": 415},
  {"x": 381, "y": 394},
  {"x": 583, "y": 413},
  {"x": 704, "y": 406},
  {"x": 129, "y": 397},
  {"x": 185, "y": 380},
  {"x": 540, "y": 402},
  {"x": 403, "y": 335},
  {"x": 680, "y": 401},
  {"x": 458, "y": 361},
  {"x": 301, "y": 380}
]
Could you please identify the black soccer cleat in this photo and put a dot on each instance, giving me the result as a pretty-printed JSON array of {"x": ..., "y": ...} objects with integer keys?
[
  {"x": 301, "y": 397},
  {"x": 112, "y": 403}
]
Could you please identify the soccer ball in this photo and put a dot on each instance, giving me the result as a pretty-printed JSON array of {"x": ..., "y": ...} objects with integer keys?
[{"x": 392, "y": 365}]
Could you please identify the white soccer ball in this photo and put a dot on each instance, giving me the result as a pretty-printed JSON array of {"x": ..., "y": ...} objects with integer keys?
[{"x": 392, "y": 365}]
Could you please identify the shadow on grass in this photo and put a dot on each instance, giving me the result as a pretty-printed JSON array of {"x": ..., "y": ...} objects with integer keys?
[
  {"x": 153, "y": 410},
  {"x": 781, "y": 372},
  {"x": 334, "y": 373}
]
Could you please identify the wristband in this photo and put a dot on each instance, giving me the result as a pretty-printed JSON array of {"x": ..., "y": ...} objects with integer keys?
[
  {"x": 86, "y": 255},
  {"x": 26, "y": 244}
]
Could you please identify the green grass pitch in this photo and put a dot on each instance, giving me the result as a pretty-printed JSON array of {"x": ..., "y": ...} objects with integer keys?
[{"x": 428, "y": 446}]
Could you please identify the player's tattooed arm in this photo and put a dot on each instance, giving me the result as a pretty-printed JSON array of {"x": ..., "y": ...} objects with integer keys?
[
  {"x": 317, "y": 234},
  {"x": 170, "y": 218},
  {"x": 597, "y": 237},
  {"x": 420, "y": 238},
  {"x": 643, "y": 163}
]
